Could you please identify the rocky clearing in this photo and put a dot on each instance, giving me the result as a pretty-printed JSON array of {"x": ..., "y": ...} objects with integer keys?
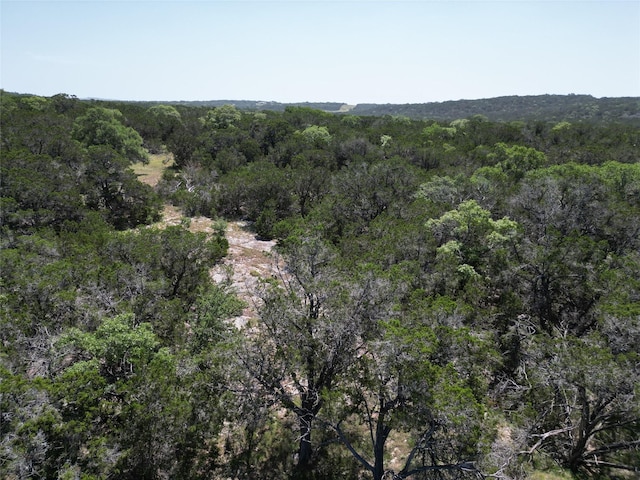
[{"x": 248, "y": 259}]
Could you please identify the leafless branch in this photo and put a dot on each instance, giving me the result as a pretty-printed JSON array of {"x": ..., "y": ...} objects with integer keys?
[{"x": 543, "y": 437}]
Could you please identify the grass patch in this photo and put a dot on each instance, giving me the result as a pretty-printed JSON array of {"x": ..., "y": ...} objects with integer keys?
[
  {"x": 551, "y": 475},
  {"x": 151, "y": 173}
]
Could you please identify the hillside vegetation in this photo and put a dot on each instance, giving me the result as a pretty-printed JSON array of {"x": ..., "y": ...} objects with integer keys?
[
  {"x": 450, "y": 299},
  {"x": 545, "y": 108},
  {"x": 539, "y": 107}
]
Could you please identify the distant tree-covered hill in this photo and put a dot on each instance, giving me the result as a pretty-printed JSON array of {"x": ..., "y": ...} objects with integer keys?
[
  {"x": 260, "y": 105},
  {"x": 508, "y": 108},
  {"x": 539, "y": 107},
  {"x": 553, "y": 108}
]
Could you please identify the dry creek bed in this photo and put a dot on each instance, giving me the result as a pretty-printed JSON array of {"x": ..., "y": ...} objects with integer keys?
[{"x": 248, "y": 259}]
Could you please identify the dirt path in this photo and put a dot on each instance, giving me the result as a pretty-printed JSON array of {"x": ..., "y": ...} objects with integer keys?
[{"x": 248, "y": 259}]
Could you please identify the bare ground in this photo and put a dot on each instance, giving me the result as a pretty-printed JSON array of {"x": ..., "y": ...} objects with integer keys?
[{"x": 247, "y": 261}]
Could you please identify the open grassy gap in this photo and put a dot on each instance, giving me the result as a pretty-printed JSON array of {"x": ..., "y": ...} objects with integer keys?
[{"x": 151, "y": 172}]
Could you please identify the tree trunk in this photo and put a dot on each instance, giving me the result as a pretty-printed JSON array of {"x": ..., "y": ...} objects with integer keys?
[
  {"x": 382, "y": 432},
  {"x": 584, "y": 428},
  {"x": 305, "y": 451}
]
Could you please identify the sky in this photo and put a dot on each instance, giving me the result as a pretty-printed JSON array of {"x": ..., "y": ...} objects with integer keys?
[{"x": 358, "y": 51}]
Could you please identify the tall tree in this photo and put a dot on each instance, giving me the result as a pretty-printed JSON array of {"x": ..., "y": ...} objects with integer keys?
[
  {"x": 104, "y": 126},
  {"x": 423, "y": 376},
  {"x": 310, "y": 329},
  {"x": 577, "y": 375}
]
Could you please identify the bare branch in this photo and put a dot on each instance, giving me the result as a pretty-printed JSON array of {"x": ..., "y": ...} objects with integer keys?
[
  {"x": 543, "y": 437},
  {"x": 420, "y": 444},
  {"x": 467, "y": 467},
  {"x": 600, "y": 464},
  {"x": 613, "y": 448},
  {"x": 350, "y": 447},
  {"x": 610, "y": 426}
]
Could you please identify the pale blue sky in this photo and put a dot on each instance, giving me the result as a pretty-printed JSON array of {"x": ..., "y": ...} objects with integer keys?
[{"x": 361, "y": 51}]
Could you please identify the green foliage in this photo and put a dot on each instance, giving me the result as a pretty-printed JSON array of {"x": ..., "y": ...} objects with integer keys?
[
  {"x": 444, "y": 191},
  {"x": 213, "y": 307},
  {"x": 119, "y": 344},
  {"x": 249, "y": 190},
  {"x": 436, "y": 133},
  {"x": 41, "y": 191},
  {"x": 316, "y": 136},
  {"x": 104, "y": 126},
  {"x": 37, "y": 191},
  {"x": 163, "y": 122},
  {"x": 411, "y": 380},
  {"x": 507, "y": 108},
  {"x": 463, "y": 293},
  {"x": 115, "y": 190},
  {"x": 596, "y": 407},
  {"x": 516, "y": 160},
  {"x": 222, "y": 117},
  {"x": 363, "y": 191},
  {"x": 472, "y": 248}
]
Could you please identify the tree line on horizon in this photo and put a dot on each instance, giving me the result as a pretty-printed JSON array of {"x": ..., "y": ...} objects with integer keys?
[
  {"x": 546, "y": 108},
  {"x": 456, "y": 300}
]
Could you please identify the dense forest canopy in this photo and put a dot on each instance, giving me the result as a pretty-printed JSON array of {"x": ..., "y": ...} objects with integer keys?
[
  {"x": 538, "y": 107},
  {"x": 451, "y": 299},
  {"x": 546, "y": 108}
]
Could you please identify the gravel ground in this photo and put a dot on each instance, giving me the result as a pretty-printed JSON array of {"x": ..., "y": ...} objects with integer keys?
[{"x": 247, "y": 261}]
